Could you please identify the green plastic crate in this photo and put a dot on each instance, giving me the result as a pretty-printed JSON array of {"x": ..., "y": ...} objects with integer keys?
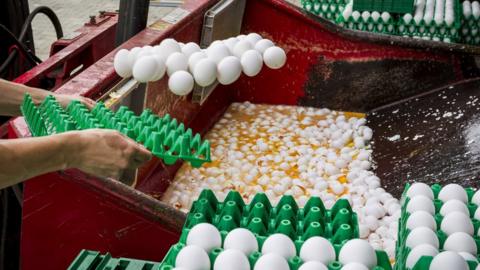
[
  {"x": 164, "y": 136},
  {"x": 93, "y": 260},
  {"x": 397, "y": 6},
  {"x": 338, "y": 224},
  {"x": 402, "y": 250}
]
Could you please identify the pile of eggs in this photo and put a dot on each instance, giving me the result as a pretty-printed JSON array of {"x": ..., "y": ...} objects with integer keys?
[
  {"x": 223, "y": 61},
  {"x": 459, "y": 245},
  {"x": 299, "y": 151},
  {"x": 315, "y": 253}
]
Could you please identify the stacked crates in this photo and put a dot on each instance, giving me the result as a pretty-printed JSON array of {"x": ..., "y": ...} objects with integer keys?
[
  {"x": 338, "y": 225},
  {"x": 470, "y": 29}
]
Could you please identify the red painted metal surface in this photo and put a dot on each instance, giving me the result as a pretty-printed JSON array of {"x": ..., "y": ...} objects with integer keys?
[
  {"x": 66, "y": 55},
  {"x": 67, "y": 212}
]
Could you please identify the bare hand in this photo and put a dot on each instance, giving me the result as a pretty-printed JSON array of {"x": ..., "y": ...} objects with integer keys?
[
  {"x": 106, "y": 153},
  {"x": 64, "y": 100}
]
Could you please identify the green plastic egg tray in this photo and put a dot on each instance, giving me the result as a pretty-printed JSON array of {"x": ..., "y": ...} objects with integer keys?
[
  {"x": 397, "y": 6},
  {"x": 396, "y": 25},
  {"x": 470, "y": 31},
  {"x": 93, "y": 260},
  {"x": 164, "y": 136},
  {"x": 402, "y": 250},
  {"x": 338, "y": 224}
]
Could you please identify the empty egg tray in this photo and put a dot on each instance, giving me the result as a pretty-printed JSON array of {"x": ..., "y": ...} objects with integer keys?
[
  {"x": 338, "y": 224},
  {"x": 164, "y": 136},
  {"x": 402, "y": 250},
  {"x": 93, "y": 260}
]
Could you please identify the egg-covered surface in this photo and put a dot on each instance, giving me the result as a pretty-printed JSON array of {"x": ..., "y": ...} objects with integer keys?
[{"x": 299, "y": 151}]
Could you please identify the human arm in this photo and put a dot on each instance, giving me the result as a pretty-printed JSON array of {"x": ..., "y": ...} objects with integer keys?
[
  {"x": 11, "y": 96},
  {"x": 104, "y": 153}
]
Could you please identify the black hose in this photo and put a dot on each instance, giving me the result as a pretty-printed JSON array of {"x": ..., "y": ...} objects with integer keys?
[
  {"x": 26, "y": 26},
  {"x": 25, "y": 51}
]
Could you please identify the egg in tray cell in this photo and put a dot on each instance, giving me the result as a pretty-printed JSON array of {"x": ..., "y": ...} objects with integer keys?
[{"x": 299, "y": 151}]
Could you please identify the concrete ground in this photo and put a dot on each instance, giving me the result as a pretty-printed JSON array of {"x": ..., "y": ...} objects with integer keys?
[{"x": 74, "y": 13}]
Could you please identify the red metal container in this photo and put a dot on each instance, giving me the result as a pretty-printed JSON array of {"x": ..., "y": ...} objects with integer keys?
[{"x": 327, "y": 67}]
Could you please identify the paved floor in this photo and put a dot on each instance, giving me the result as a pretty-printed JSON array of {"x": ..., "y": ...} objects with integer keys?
[{"x": 74, "y": 13}]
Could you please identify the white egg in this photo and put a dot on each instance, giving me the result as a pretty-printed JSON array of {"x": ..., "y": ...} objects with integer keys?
[
  {"x": 218, "y": 52},
  {"x": 419, "y": 251},
  {"x": 121, "y": 63},
  {"x": 180, "y": 83},
  {"x": 161, "y": 68},
  {"x": 167, "y": 47},
  {"x": 359, "y": 251},
  {"x": 192, "y": 258},
  {"x": 144, "y": 69},
  {"x": 230, "y": 43},
  {"x": 477, "y": 214},
  {"x": 453, "y": 191},
  {"x": 253, "y": 38},
  {"x": 143, "y": 52},
  {"x": 204, "y": 235},
  {"x": 452, "y": 206},
  {"x": 448, "y": 260},
  {"x": 468, "y": 257},
  {"x": 456, "y": 222},
  {"x": 251, "y": 62},
  {"x": 229, "y": 70},
  {"x": 241, "y": 239},
  {"x": 460, "y": 242},
  {"x": 420, "y": 203},
  {"x": 422, "y": 235},
  {"x": 420, "y": 189},
  {"x": 421, "y": 219},
  {"x": 274, "y": 57},
  {"x": 231, "y": 260},
  {"x": 279, "y": 244},
  {"x": 175, "y": 62},
  {"x": 263, "y": 44},
  {"x": 476, "y": 198},
  {"x": 354, "y": 266},
  {"x": 271, "y": 261},
  {"x": 194, "y": 58},
  {"x": 241, "y": 47},
  {"x": 132, "y": 55},
  {"x": 190, "y": 48},
  {"x": 312, "y": 265},
  {"x": 317, "y": 249},
  {"x": 205, "y": 72},
  {"x": 241, "y": 37}
]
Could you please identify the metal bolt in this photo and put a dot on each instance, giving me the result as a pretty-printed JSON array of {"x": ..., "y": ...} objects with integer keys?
[{"x": 93, "y": 20}]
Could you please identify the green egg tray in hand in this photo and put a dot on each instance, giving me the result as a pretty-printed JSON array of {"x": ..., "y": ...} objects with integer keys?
[
  {"x": 338, "y": 224},
  {"x": 164, "y": 136},
  {"x": 402, "y": 250}
]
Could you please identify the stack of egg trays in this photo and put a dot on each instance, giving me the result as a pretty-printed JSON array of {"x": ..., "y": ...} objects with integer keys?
[
  {"x": 379, "y": 26},
  {"x": 164, "y": 136},
  {"x": 93, "y": 260},
  {"x": 397, "y": 6},
  {"x": 432, "y": 30},
  {"x": 339, "y": 224},
  {"x": 470, "y": 31},
  {"x": 402, "y": 251},
  {"x": 328, "y": 9}
]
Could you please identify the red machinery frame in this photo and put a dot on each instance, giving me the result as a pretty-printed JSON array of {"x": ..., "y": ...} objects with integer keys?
[{"x": 68, "y": 211}]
